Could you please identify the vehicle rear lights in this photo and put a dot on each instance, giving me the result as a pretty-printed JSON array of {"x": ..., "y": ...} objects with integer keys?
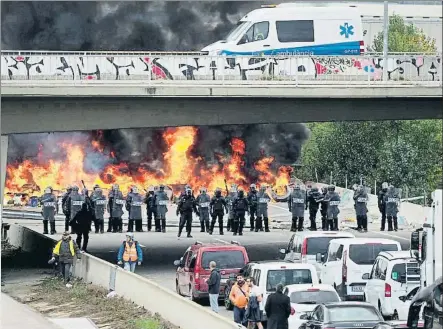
[
  {"x": 282, "y": 266},
  {"x": 362, "y": 47},
  {"x": 292, "y": 310},
  {"x": 388, "y": 291},
  {"x": 304, "y": 247},
  {"x": 313, "y": 289}
]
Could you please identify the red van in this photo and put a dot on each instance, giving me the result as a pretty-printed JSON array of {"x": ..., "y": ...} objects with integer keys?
[{"x": 193, "y": 267}]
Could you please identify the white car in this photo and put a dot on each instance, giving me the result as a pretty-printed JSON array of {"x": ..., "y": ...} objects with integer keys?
[
  {"x": 305, "y": 297},
  {"x": 405, "y": 302},
  {"x": 304, "y": 246},
  {"x": 348, "y": 260},
  {"x": 394, "y": 274},
  {"x": 268, "y": 274}
]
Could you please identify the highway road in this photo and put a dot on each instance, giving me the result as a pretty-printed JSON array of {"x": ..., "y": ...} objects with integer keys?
[{"x": 161, "y": 249}]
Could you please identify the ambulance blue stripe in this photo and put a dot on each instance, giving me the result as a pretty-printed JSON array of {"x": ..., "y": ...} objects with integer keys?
[{"x": 343, "y": 48}]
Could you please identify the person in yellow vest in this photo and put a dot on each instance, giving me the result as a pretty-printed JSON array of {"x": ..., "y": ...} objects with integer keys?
[
  {"x": 130, "y": 253},
  {"x": 65, "y": 250}
]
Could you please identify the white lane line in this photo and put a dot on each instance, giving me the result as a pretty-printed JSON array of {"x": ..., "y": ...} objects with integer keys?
[
  {"x": 222, "y": 241},
  {"x": 392, "y": 235}
]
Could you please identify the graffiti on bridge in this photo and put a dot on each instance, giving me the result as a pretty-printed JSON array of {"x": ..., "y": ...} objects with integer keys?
[{"x": 208, "y": 68}]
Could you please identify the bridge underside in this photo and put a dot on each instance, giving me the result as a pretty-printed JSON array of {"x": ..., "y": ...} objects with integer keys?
[{"x": 49, "y": 114}]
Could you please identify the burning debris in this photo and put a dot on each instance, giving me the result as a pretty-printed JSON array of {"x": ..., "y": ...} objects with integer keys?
[{"x": 203, "y": 156}]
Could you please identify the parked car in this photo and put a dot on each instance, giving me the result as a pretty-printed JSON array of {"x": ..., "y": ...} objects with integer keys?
[
  {"x": 193, "y": 268},
  {"x": 342, "y": 315},
  {"x": 394, "y": 274}
]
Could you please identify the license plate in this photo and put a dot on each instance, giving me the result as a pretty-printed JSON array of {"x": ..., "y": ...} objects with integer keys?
[{"x": 358, "y": 288}]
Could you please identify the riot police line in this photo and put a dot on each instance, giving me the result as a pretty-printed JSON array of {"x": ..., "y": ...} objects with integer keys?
[{"x": 81, "y": 210}]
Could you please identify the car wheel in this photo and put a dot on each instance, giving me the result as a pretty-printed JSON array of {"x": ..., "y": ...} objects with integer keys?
[
  {"x": 193, "y": 298},
  {"x": 228, "y": 304},
  {"x": 364, "y": 298}
]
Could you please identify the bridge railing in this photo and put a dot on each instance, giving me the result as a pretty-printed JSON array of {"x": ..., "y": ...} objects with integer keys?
[{"x": 140, "y": 66}]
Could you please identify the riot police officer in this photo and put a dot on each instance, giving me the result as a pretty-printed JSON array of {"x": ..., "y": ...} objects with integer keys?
[
  {"x": 262, "y": 209},
  {"x": 252, "y": 201},
  {"x": 313, "y": 203},
  {"x": 361, "y": 209},
  {"x": 217, "y": 204},
  {"x": 296, "y": 204},
  {"x": 323, "y": 207},
  {"x": 98, "y": 203},
  {"x": 66, "y": 208},
  {"x": 151, "y": 210},
  {"x": 115, "y": 209},
  {"x": 333, "y": 200},
  {"x": 48, "y": 202},
  {"x": 203, "y": 201},
  {"x": 392, "y": 201},
  {"x": 134, "y": 202},
  {"x": 240, "y": 207},
  {"x": 382, "y": 204},
  {"x": 230, "y": 201},
  {"x": 186, "y": 205},
  {"x": 161, "y": 204}
]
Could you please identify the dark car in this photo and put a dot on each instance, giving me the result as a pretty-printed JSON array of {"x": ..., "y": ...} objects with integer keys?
[{"x": 342, "y": 315}]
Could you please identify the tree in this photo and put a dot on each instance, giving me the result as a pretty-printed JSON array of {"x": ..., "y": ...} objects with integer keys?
[{"x": 404, "y": 38}]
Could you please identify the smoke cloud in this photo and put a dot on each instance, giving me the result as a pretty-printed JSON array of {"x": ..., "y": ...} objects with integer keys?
[{"x": 122, "y": 26}]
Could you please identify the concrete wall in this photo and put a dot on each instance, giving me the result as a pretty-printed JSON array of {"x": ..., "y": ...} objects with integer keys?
[
  {"x": 142, "y": 291},
  {"x": 22, "y": 114}
]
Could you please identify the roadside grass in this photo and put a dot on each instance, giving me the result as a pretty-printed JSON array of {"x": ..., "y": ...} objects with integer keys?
[{"x": 87, "y": 300}]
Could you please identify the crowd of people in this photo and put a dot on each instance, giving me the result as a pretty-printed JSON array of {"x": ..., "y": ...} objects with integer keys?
[{"x": 81, "y": 209}]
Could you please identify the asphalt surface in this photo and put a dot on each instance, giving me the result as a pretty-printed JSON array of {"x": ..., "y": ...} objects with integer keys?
[{"x": 161, "y": 249}]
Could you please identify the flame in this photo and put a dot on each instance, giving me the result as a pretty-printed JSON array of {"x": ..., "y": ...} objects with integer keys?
[{"x": 180, "y": 167}]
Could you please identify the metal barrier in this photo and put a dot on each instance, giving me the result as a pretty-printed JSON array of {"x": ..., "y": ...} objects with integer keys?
[{"x": 90, "y": 66}]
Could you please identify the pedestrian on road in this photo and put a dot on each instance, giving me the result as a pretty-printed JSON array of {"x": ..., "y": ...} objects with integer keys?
[
  {"x": 278, "y": 309},
  {"x": 239, "y": 297},
  {"x": 65, "y": 250},
  {"x": 213, "y": 286},
  {"x": 130, "y": 253},
  {"x": 254, "y": 310},
  {"x": 382, "y": 204}
]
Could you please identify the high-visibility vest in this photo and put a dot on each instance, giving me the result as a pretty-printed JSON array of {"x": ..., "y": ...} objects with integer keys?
[
  {"x": 130, "y": 253},
  {"x": 56, "y": 250}
]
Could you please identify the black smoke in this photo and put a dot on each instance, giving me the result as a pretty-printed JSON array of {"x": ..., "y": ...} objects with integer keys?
[{"x": 122, "y": 26}]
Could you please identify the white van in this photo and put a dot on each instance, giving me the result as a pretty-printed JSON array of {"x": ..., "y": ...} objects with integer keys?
[
  {"x": 394, "y": 274},
  {"x": 281, "y": 30},
  {"x": 348, "y": 260},
  {"x": 267, "y": 275},
  {"x": 304, "y": 246}
]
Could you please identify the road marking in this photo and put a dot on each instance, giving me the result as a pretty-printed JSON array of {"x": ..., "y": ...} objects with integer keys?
[
  {"x": 222, "y": 241},
  {"x": 392, "y": 235}
]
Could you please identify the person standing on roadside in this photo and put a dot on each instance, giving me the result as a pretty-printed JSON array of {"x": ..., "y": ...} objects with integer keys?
[
  {"x": 130, "y": 253},
  {"x": 254, "y": 311},
  {"x": 278, "y": 309},
  {"x": 65, "y": 250},
  {"x": 214, "y": 286},
  {"x": 239, "y": 297}
]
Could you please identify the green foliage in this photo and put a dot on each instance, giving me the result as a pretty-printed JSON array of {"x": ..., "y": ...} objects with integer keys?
[
  {"x": 407, "y": 154},
  {"x": 404, "y": 38}
]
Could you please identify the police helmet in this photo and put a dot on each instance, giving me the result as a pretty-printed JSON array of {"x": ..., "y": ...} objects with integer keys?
[
  {"x": 324, "y": 189},
  {"x": 331, "y": 188},
  {"x": 202, "y": 189},
  {"x": 297, "y": 187},
  {"x": 161, "y": 187},
  {"x": 48, "y": 189},
  {"x": 384, "y": 185},
  {"x": 96, "y": 186},
  {"x": 151, "y": 188},
  {"x": 115, "y": 187},
  {"x": 135, "y": 189},
  {"x": 263, "y": 187},
  {"x": 241, "y": 193},
  {"x": 99, "y": 191},
  {"x": 69, "y": 188},
  {"x": 74, "y": 188},
  {"x": 315, "y": 189},
  {"x": 252, "y": 186}
]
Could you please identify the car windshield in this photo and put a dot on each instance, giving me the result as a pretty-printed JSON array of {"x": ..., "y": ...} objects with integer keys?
[
  {"x": 365, "y": 254},
  {"x": 225, "y": 259},
  {"x": 236, "y": 31},
  {"x": 314, "y": 297},
  {"x": 320, "y": 244},
  {"x": 353, "y": 313},
  {"x": 287, "y": 277}
]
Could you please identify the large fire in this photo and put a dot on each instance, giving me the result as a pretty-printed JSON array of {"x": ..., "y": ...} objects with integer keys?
[{"x": 180, "y": 167}]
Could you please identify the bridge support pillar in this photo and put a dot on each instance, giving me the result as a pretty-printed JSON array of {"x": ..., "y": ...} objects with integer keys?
[{"x": 4, "y": 156}]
